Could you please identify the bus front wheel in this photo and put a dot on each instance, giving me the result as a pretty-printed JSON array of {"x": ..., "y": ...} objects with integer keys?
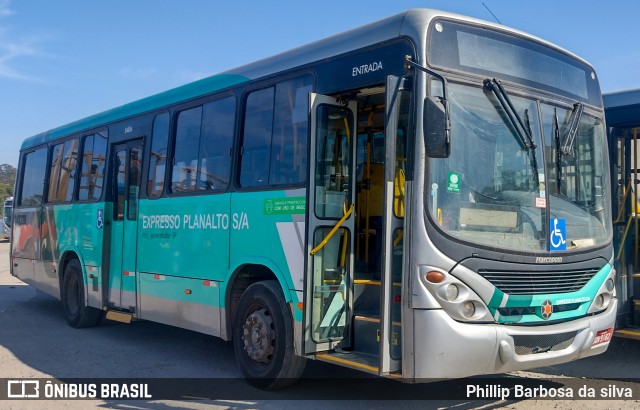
[
  {"x": 263, "y": 338},
  {"x": 77, "y": 313}
]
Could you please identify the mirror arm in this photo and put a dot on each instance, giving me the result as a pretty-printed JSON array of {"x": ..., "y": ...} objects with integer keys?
[
  {"x": 410, "y": 64},
  {"x": 445, "y": 101}
]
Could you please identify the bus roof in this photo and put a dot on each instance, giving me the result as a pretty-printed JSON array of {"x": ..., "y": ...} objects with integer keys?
[
  {"x": 621, "y": 98},
  {"x": 412, "y": 23},
  {"x": 622, "y": 108}
]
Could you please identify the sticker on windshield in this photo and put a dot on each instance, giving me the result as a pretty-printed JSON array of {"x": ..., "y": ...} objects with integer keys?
[
  {"x": 557, "y": 235},
  {"x": 453, "y": 182},
  {"x": 541, "y": 202},
  {"x": 541, "y": 185}
]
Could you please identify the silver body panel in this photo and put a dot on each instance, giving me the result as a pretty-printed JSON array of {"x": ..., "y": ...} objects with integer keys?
[
  {"x": 474, "y": 349},
  {"x": 412, "y": 24}
]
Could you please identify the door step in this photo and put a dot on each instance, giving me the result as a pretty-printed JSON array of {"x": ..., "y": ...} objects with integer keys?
[
  {"x": 119, "y": 316},
  {"x": 354, "y": 360},
  {"x": 367, "y": 335},
  {"x": 357, "y": 361}
]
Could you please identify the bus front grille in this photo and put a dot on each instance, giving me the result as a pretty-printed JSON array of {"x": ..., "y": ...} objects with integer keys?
[
  {"x": 538, "y": 283},
  {"x": 527, "y": 344}
]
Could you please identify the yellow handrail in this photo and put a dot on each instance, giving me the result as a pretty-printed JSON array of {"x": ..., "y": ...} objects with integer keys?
[
  {"x": 622, "y": 203},
  {"x": 398, "y": 238},
  {"x": 343, "y": 257},
  {"x": 335, "y": 228}
]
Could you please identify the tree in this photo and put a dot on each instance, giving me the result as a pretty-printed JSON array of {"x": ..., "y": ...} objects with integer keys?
[{"x": 7, "y": 181}]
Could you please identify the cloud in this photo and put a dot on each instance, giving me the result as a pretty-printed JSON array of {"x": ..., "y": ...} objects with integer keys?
[
  {"x": 12, "y": 48},
  {"x": 5, "y": 8}
]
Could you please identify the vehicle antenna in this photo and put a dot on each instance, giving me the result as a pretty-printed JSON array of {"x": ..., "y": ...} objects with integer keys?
[{"x": 494, "y": 16}]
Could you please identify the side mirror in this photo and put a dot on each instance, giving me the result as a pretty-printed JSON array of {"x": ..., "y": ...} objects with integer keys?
[{"x": 436, "y": 128}]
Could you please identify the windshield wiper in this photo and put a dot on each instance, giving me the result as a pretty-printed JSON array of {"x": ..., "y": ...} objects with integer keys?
[
  {"x": 574, "y": 121},
  {"x": 556, "y": 136},
  {"x": 522, "y": 129},
  {"x": 524, "y": 134}
]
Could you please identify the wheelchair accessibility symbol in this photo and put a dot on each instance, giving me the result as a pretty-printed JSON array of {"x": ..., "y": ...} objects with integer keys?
[
  {"x": 557, "y": 235},
  {"x": 100, "y": 219}
]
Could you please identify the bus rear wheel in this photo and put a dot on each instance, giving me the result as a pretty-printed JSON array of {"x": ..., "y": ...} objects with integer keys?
[
  {"x": 263, "y": 338},
  {"x": 76, "y": 311}
]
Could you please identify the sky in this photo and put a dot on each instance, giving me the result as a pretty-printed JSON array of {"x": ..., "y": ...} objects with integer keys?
[{"x": 64, "y": 60}]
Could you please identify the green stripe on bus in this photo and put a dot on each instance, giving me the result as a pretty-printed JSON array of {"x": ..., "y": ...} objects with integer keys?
[{"x": 584, "y": 297}]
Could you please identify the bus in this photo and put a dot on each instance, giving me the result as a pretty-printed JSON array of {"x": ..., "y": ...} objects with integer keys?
[
  {"x": 423, "y": 197},
  {"x": 7, "y": 210},
  {"x": 622, "y": 112}
]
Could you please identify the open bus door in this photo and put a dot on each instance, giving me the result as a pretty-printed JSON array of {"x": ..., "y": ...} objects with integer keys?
[
  {"x": 354, "y": 271},
  {"x": 331, "y": 224}
]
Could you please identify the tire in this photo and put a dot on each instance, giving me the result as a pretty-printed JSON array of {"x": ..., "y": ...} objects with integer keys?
[
  {"x": 263, "y": 338},
  {"x": 77, "y": 313}
]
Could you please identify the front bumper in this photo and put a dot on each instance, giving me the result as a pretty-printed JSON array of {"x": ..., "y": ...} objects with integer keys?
[{"x": 445, "y": 348}]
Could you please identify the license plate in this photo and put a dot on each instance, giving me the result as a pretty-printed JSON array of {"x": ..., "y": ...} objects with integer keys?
[{"x": 603, "y": 336}]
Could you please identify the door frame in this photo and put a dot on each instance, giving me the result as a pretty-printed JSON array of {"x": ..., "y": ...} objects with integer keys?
[
  {"x": 390, "y": 225},
  {"x": 122, "y": 266},
  {"x": 346, "y": 220}
]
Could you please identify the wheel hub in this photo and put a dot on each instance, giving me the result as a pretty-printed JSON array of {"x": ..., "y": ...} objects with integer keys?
[{"x": 259, "y": 336}]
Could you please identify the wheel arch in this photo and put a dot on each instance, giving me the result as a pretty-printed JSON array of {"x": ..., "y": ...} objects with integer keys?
[
  {"x": 66, "y": 257},
  {"x": 240, "y": 279}
]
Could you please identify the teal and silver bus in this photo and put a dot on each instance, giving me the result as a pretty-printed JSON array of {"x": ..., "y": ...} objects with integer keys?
[{"x": 426, "y": 196}]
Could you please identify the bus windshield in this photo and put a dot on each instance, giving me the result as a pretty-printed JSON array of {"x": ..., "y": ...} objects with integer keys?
[{"x": 492, "y": 190}]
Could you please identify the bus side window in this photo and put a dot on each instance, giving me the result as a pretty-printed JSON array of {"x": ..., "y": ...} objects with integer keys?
[
  {"x": 258, "y": 125},
  {"x": 187, "y": 145},
  {"x": 274, "y": 143},
  {"x": 33, "y": 173},
  {"x": 54, "y": 173},
  {"x": 158, "y": 157},
  {"x": 290, "y": 130},
  {"x": 62, "y": 175},
  {"x": 218, "y": 120},
  {"x": 93, "y": 162}
]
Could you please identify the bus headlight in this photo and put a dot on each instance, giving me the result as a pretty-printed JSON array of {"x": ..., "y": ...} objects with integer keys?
[
  {"x": 455, "y": 297},
  {"x": 602, "y": 300},
  {"x": 452, "y": 292},
  {"x": 609, "y": 285},
  {"x": 599, "y": 301},
  {"x": 468, "y": 309},
  {"x": 605, "y": 294}
]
